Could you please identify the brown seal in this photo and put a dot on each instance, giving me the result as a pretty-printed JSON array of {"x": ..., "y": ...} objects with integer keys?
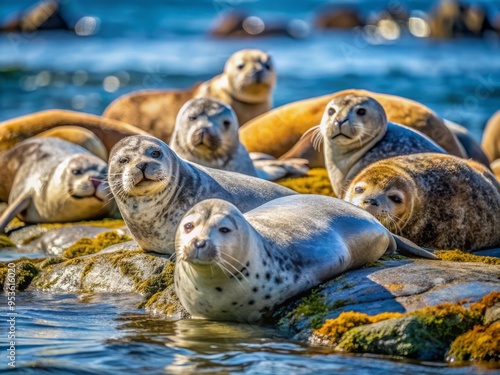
[
  {"x": 437, "y": 201},
  {"x": 491, "y": 137},
  {"x": 277, "y": 131},
  {"x": 246, "y": 85},
  {"x": 20, "y": 128}
]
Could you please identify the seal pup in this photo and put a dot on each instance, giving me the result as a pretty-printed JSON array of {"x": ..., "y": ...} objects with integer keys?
[
  {"x": 277, "y": 131},
  {"x": 206, "y": 133},
  {"x": 51, "y": 180},
  {"x": 153, "y": 188},
  {"x": 437, "y": 201},
  {"x": 246, "y": 84},
  {"x": 490, "y": 143},
  {"x": 355, "y": 133},
  {"x": 234, "y": 266}
]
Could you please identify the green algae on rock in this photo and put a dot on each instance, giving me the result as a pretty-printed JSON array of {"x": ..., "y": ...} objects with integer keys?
[
  {"x": 87, "y": 246},
  {"x": 315, "y": 182},
  {"x": 25, "y": 271},
  {"x": 6, "y": 242},
  {"x": 462, "y": 256}
]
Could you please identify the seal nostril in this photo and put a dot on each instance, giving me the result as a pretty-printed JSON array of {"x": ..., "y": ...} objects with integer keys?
[
  {"x": 142, "y": 166},
  {"x": 200, "y": 244},
  {"x": 95, "y": 182}
]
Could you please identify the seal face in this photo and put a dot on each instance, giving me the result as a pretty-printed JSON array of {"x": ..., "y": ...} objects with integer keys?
[
  {"x": 234, "y": 266},
  {"x": 206, "y": 132},
  {"x": 51, "y": 180},
  {"x": 355, "y": 133},
  {"x": 153, "y": 188},
  {"x": 436, "y": 201}
]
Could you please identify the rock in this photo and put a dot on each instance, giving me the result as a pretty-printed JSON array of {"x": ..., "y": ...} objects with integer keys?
[
  {"x": 339, "y": 17},
  {"x": 492, "y": 314}
]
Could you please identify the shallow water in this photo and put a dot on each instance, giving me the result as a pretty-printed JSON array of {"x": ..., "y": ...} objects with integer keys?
[
  {"x": 151, "y": 44},
  {"x": 106, "y": 334}
]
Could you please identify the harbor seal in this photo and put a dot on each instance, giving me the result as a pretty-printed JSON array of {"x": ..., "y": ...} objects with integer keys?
[
  {"x": 437, "y": 201},
  {"x": 51, "y": 180},
  {"x": 246, "y": 84},
  {"x": 277, "y": 131},
  {"x": 206, "y": 133},
  {"x": 153, "y": 188},
  {"x": 490, "y": 143},
  {"x": 356, "y": 133},
  {"x": 20, "y": 128},
  {"x": 235, "y": 266}
]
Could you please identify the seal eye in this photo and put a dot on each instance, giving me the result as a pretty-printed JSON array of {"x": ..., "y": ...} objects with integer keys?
[
  {"x": 227, "y": 124},
  {"x": 188, "y": 227},
  {"x": 359, "y": 190},
  {"x": 396, "y": 199},
  {"x": 224, "y": 230},
  {"x": 76, "y": 172},
  {"x": 331, "y": 111},
  {"x": 123, "y": 160},
  {"x": 267, "y": 66},
  {"x": 361, "y": 112},
  {"x": 241, "y": 66},
  {"x": 155, "y": 154},
  {"x": 192, "y": 118}
]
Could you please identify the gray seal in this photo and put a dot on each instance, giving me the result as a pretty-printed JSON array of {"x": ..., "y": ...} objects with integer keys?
[
  {"x": 51, "y": 180},
  {"x": 206, "y": 133},
  {"x": 154, "y": 188},
  {"x": 355, "y": 134},
  {"x": 239, "y": 267}
]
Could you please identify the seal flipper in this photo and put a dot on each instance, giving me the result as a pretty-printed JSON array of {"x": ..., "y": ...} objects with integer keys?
[
  {"x": 405, "y": 247},
  {"x": 20, "y": 203},
  {"x": 272, "y": 170}
]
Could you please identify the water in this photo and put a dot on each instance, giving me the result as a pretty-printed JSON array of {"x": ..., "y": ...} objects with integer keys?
[{"x": 152, "y": 44}]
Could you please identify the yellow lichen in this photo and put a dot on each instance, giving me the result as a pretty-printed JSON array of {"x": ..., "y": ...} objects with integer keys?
[
  {"x": 479, "y": 344},
  {"x": 461, "y": 256},
  {"x": 315, "y": 182},
  {"x": 333, "y": 329},
  {"x": 86, "y": 246}
]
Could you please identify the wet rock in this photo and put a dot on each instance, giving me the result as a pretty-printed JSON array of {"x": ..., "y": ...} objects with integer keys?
[{"x": 342, "y": 17}]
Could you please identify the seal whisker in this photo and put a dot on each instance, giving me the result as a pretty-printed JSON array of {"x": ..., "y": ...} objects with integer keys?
[
  {"x": 224, "y": 268},
  {"x": 230, "y": 256},
  {"x": 235, "y": 268}
]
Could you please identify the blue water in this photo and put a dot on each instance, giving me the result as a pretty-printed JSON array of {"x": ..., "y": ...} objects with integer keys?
[{"x": 164, "y": 44}]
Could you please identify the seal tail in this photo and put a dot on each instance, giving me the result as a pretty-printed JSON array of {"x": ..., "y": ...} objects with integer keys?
[
  {"x": 408, "y": 248},
  {"x": 272, "y": 170}
]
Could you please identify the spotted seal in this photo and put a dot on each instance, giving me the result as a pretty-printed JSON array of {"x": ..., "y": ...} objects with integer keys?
[
  {"x": 153, "y": 188},
  {"x": 235, "y": 266},
  {"x": 51, "y": 180},
  {"x": 437, "y": 201},
  {"x": 355, "y": 133},
  {"x": 206, "y": 133},
  {"x": 246, "y": 84}
]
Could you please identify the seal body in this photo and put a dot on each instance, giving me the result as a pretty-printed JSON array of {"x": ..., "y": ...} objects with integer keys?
[
  {"x": 206, "y": 133},
  {"x": 239, "y": 267},
  {"x": 437, "y": 201},
  {"x": 51, "y": 180},
  {"x": 355, "y": 134},
  {"x": 471, "y": 147},
  {"x": 277, "y": 131},
  {"x": 153, "y": 189},
  {"x": 490, "y": 142},
  {"x": 246, "y": 85}
]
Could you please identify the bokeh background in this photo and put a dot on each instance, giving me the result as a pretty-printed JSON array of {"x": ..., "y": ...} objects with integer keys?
[{"x": 119, "y": 47}]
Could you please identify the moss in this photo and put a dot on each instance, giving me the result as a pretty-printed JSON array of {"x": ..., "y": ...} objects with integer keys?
[
  {"x": 393, "y": 257},
  {"x": 479, "y": 344},
  {"x": 88, "y": 267},
  {"x": 6, "y": 242},
  {"x": 377, "y": 263},
  {"x": 25, "y": 273},
  {"x": 50, "y": 262},
  {"x": 87, "y": 246},
  {"x": 461, "y": 256},
  {"x": 309, "y": 306},
  {"x": 486, "y": 302},
  {"x": 158, "y": 283},
  {"x": 316, "y": 182},
  {"x": 333, "y": 329}
]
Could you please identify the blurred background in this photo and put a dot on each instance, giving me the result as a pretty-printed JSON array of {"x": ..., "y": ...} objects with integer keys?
[{"x": 82, "y": 54}]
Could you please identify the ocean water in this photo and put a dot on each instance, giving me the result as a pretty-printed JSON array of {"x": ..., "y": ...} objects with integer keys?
[{"x": 151, "y": 44}]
